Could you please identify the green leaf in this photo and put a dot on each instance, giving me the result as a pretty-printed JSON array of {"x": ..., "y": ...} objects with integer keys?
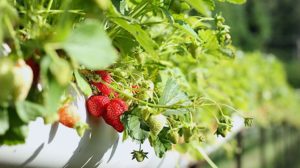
[
  {"x": 209, "y": 39},
  {"x": 83, "y": 84},
  {"x": 29, "y": 111},
  {"x": 172, "y": 95},
  {"x": 187, "y": 28},
  {"x": 135, "y": 128},
  {"x": 202, "y": 6},
  {"x": 4, "y": 123},
  {"x": 210, "y": 3},
  {"x": 161, "y": 143},
  {"x": 136, "y": 31},
  {"x": 168, "y": 15},
  {"x": 90, "y": 46},
  {"x": 17, "y": 132}
]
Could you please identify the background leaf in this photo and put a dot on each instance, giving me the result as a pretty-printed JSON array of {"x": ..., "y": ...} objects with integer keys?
[
  {"x": 237, "y": 1},
  {"x": 202, "y": 6}
]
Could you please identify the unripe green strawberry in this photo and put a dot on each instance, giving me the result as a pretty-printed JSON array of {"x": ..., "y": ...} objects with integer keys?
[
  {"x": 145, "y": 112},
  {"x": 187, "y": 134},
  {"x": 156, "y": 123},
  {"x": 248, "y": 121},
  {"x": 23, "y": 78},
  {"x": 223, "y": 129},
  {"x": 174, "y": 136},
  {"x": 139, "y": 155},
  {"x": 147, "y": 90},
  {"x": 6, "y": 80}
]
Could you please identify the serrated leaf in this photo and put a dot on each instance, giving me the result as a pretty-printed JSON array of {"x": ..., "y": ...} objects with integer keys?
[
  {"x": 90, "y": 46},
  {"x": 4, "y": 120},
  {"x": 83, "y": 84},
  {"x": 134, "y": 128},
  {"x": 172, "y": 95},
  {"x": 161, "y": 143},
  {"x": 28, "y": 111}
]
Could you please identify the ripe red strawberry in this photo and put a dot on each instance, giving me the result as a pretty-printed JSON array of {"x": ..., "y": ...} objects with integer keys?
[
  {"x": 105, "y": 76},
  {"x": 105, "y": 90},
  {"x": 121, "y": 102},
  {"x": 96, "y": 105},
  {"x": 69, "y": 117},
  {"x": 114, "y": 110}
]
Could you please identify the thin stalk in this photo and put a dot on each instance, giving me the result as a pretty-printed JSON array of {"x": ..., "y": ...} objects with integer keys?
[
  {"x": 144, "y": 102},
  {"x": 13, "y": 36}
]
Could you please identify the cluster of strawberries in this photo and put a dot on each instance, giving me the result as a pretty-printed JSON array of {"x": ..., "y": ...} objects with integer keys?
[{"x": 102, "y": 105}]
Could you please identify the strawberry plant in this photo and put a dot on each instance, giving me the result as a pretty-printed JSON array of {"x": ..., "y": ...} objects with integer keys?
[{"x": 161, "y": 71}]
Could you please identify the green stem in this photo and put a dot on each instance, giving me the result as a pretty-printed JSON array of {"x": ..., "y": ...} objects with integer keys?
[
  {"x": 205, "y": 156},
  {"x": 50, "y": 50},
  {"x": 49, "y": 5},
  {"x": 217, "y": 104},
  {"x": 13, "y": 36},
  {"x": 144, "y": 102}
]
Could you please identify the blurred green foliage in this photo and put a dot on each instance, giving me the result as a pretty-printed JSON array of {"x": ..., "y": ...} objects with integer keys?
[{"x": 270, "y": 25}]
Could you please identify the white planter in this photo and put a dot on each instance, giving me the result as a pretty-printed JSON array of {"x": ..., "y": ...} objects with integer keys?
[{"x": 58, "y": 146}]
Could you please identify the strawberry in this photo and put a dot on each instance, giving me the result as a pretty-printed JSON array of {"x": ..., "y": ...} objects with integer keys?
[
  {"x": 96, "y": 105},
  {"x": 139, "y": 155},
  {"x": 115, "y": 109},
  {"x": 174, "y": 136},
  {"x": 104, "y": 89},
  {"x": 121, "y": 102},
  {"x": 156, "y": 123},
  {"x": 23, "y": 78},
  {"x": 6, "y": 80},
  {"x": 68, "y": 117},
  {"x": 105, "y": 76}
]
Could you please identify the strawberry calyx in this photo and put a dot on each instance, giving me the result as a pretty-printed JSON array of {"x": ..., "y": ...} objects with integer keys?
[{"x": 81, "y": 127}]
